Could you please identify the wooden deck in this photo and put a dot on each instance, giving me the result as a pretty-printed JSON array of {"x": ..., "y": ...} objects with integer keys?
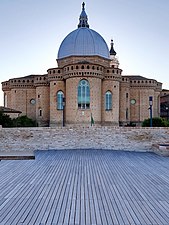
[{"x": 85, "y": 187}]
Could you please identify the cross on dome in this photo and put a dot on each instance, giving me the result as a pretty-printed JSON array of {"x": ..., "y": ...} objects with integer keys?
[{"x": 83, "y": 6}]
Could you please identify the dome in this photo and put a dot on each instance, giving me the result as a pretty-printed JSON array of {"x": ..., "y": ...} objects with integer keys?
[{"x": 83, "y": 42}]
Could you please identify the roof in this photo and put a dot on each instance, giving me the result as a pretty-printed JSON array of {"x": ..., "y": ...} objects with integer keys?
[
  {"x": 165, "y": 90},
  {"x": 137, "y": 77},
  {"x": 83, "y": 41},
  {"x": 8, "y": 110},
  {"x": 29, "y": 76}
]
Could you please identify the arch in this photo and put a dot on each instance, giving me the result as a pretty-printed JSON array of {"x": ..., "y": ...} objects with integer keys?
[
  {"x": 83, "y": 97},
  {"x": 108, "y": 101},
  {"x": 40, "y": 112},
  {"x": 127, "y": 114},
  {"x": 60, "y": 97},
  {"x": 5, "y": 100}
]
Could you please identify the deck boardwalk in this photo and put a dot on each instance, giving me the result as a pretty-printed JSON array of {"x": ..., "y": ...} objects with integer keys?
[{"x": 85, "y": 187}]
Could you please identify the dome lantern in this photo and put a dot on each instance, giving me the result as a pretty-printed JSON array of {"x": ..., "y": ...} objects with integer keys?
[
  {"x": 83, "y": 41},
  {"x": 83, "y": 20}
]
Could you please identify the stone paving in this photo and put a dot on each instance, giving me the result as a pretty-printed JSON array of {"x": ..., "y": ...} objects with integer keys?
[{"x": 85, "y": 187}]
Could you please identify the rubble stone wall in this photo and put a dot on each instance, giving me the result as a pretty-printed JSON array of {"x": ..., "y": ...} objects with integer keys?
[{"x": 111, "y": 138}]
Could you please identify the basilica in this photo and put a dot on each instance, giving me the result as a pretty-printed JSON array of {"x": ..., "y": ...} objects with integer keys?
[{"x": 86, "y": 85}]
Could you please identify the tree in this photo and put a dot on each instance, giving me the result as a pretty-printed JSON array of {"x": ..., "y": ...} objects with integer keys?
[
  {"x": 157, "y": 122},
  {"x": 23, "y": 121},
  {"x": 5, "y": 120}
]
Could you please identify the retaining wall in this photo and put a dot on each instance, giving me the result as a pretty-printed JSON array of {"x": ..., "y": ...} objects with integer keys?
[{"x": 116, "y": 138}]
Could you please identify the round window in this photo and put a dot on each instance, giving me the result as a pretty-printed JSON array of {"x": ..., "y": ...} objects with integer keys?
[
  {"x": 33, "y": 101},
  {"x": 133, "y": 101}
]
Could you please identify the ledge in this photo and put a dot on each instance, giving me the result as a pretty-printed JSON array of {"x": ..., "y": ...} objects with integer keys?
[
  {"x": 161, "y": 149},
  {"x": 16, "y": 155}
]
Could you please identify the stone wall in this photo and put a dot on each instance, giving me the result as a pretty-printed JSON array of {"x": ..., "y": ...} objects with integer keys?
[{"x": 116, "y": 138}]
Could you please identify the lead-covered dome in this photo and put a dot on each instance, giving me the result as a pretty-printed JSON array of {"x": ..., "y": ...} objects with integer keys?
[{"x": 83, "y": 41}]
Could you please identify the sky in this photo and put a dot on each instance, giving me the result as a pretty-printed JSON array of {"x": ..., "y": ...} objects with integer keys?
[{"x": 32, "y": 31}]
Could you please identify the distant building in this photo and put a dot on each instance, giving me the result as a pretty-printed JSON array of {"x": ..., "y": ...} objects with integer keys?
[
  {"x": 164, "y": 104},
  {"x": 11, "y": 112},
  {"x": 87, "y": 83}
]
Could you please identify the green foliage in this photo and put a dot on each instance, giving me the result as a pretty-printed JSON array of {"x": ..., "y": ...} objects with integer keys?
[
  {"x": 157, "y": 122},
  {"x": 22, "y": 121},
  {"x": 5, "y": 120}
]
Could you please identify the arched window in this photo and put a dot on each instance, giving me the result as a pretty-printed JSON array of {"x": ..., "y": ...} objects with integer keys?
[
  {"x": 5, "y": 100},
  {"x": 108, "y": 100},
  {"x": 83, "y": 95},
  {"x": 60, "y": 100},
  {"x": 40, "y": 112},
  {"x": 127, "y": 114}
]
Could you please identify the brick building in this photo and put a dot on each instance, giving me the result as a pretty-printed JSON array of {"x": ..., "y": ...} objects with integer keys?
[
  {"x": 87, "y": 82},
  {"x": 164, "y": 104}
]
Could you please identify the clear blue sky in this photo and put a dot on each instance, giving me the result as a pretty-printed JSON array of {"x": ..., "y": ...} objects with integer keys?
[{"x": 31, "y": 32}]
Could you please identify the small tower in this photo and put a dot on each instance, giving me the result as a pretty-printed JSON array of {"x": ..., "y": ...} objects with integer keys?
[{"x": 114, "y": 61}]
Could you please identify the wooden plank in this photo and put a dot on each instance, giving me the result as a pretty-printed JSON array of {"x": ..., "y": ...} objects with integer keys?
[
  {"x": 48, "y": 194},
  {"x": 84, "y": 187}
]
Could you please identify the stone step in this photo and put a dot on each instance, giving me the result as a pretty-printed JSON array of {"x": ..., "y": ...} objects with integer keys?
[
  {"x": 161, "y": 149},
  {"x": 16, "y": 155}
]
